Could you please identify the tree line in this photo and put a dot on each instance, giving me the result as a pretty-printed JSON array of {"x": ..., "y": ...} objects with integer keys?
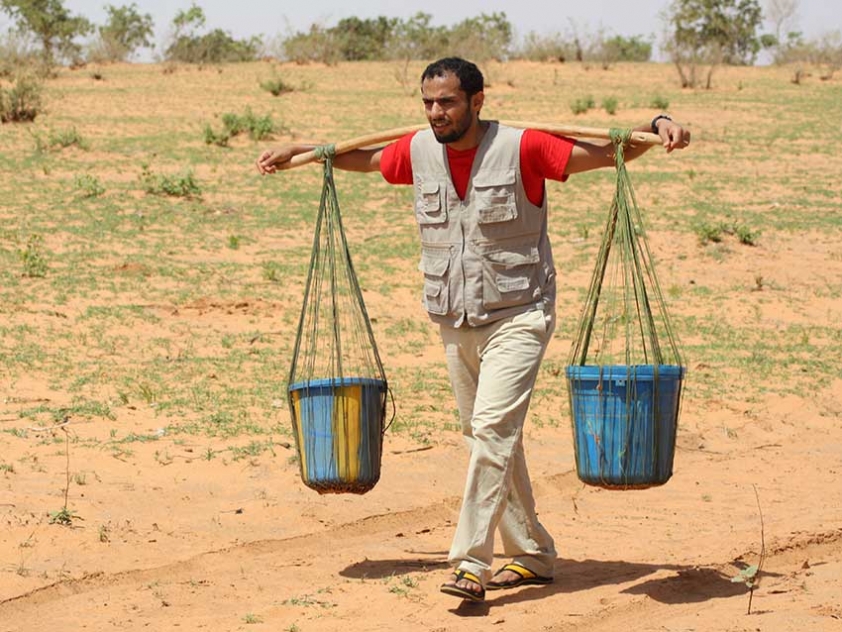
[{"x": 699, "y": 36}]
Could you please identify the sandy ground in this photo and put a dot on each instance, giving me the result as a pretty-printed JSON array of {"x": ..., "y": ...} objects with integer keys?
[{"x": 166, "y": 538}]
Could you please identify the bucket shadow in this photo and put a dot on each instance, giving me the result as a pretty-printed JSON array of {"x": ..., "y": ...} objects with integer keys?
[
  {"x": 686, "y": 584},
  {"x": 689, "y": 584}
]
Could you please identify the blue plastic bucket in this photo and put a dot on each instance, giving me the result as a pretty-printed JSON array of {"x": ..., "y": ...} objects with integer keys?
[
  {"x": 338, "y": 426},
  {"x": 624, "y": 423}
]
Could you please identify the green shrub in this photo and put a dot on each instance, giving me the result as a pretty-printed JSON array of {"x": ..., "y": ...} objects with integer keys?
[
  {"x": 746, "y": 235},
  {"x": 67, "y": 138},
  {"x": 609, "y": 104},
  {"x": 660, "y": 103},
  {"x": 257, "y": 127},
  {"x": 89, "y": 186},
  {"x": 213, "y": 138},
  {"x": 582, "y": 105},
  {"x": 32, "y": 257},
  {"x": 22, "y": 101},
  {"x": 183, "y": 185},
  {"x": 277, "y": 86}
]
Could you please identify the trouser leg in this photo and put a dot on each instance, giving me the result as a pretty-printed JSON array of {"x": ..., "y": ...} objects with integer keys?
[{"x": 493, "y": 370}]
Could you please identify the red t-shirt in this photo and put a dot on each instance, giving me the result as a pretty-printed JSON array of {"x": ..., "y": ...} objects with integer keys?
[{"x": 542, "y": 157}]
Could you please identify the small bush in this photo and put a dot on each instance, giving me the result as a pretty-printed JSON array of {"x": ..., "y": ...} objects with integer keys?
[
  {"x": 609, "y": 104},
  {"x": 32, "y": 258},
  {"x": 277, "y": 86},
  {"x": 89, "y": 186},
  {"x": 257, "y": 127},
  {"x": 22, "y": 101},
  {"x": 582, "y": 105},
  {"x": 710, "y": 233},
  {"x": 67, "y": 138},
  {"x": 746, "y": 235},
  {"x": 183, "y": 185},
  {"x": 213, "y": 138},
  {"x": 660, "y": 103}
]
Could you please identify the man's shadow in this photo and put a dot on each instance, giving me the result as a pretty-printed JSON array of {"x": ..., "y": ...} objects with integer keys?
[{"x": 685, "y": 584}]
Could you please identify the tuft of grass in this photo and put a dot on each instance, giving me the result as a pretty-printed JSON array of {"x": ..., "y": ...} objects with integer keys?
[
  {"x": 659, "y": 102},
  {"x": 183, "y": 185},
  {"x": 89, "y": 186},
  {"x": 582, "y": 104},
  {"x": 32, "y": 257},
  {"x": 67, "y": 138},
  {"x": 257, "y": 128},
  {"x": 277, "y": 86},
  {"x": 609, "y": 104}
]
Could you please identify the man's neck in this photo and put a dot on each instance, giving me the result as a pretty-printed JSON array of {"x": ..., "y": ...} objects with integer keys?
[{"x": 472, "y": 138}]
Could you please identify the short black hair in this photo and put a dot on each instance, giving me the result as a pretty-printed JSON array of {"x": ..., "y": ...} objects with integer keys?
[{"x": 470, "y": 78}]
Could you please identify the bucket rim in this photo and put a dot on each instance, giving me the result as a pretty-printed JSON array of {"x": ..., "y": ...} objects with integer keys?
[
  {"x": 333, "y": 382},
  {"x": 624, "y": 371}
]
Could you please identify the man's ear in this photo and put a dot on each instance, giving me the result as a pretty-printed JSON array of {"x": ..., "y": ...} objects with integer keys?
[{"x": 476, "y": 101}]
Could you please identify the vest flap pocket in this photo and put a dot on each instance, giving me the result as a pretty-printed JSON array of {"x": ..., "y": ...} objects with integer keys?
[
  {"x": 511, "y": 283},
  {"x": 429, "y": 207},
  {"x": 502, "y": 212},
  {"x": 432, "y": 289},
  {"x": 514, "y": 256},
  {"x": 495, "y": 196},
  {"x": 429, "y": 188},
  {"x": 495, "y": 178},
  {"x": 435, "y": 262}
]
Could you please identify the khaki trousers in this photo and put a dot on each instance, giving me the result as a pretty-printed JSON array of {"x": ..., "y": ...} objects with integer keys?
[{"x": 493, "y": 370}]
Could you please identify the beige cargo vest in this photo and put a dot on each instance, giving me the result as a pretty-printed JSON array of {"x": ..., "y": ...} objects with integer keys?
[{"x": 486, "y": 257}]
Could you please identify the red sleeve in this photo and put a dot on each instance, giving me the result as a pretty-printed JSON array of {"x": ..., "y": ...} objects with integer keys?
[
  {"x": 396, "y": 161},
  {"x": 542, "y": 157}
]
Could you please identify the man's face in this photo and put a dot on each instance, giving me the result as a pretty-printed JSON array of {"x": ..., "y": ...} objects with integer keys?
[{"x": 448, "y": 108}]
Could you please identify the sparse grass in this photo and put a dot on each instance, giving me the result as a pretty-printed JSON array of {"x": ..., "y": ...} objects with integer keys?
[{"x": 124, "y": 305}]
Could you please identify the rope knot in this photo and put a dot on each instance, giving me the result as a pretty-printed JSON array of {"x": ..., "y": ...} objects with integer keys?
[{"x": 325, "y": 152}]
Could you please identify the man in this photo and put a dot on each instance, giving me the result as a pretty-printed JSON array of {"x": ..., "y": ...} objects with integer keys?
[{"x": 490, "y": 285}]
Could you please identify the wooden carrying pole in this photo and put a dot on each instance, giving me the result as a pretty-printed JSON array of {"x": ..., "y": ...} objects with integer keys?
[{"x": 570, "y": 131}]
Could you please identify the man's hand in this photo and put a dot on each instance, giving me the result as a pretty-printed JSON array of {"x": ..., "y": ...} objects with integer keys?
[
  {"x": 673, "y": 135},
  {"x": 267, "y": 161}
]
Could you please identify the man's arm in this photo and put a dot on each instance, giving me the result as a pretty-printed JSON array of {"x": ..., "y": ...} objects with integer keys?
[
  {"x": 589, "y": 155},
  {"x": 358, "y": 160}
]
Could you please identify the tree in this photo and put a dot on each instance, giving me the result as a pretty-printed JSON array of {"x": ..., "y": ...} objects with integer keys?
[
  {"x": 363, "y": 39},
  {"x": 214, "y": 47},
  {"x": 124, "y": 32},
  {"x": 712, "y": 32},
  {"x": 482, "y": 38},
  {"x": 51, "y": 24},
  {"x": 783, "y": 14}
]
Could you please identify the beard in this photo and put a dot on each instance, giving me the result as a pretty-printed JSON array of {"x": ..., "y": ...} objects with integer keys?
[{"x": 460, "y": 128}]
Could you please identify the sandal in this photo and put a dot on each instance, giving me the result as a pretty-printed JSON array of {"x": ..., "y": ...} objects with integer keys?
[
  {"x": 457, "y": 591},
  {"x": 525, "y": 578}
]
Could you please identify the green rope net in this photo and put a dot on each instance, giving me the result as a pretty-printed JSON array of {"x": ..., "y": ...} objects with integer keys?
[
  {"x": 337, "y": 387},
  {"x": 625, "y": 369}
]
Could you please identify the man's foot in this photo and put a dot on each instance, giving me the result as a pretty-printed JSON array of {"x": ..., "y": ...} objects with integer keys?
[
  {"x": 513, "y": 575},
  {"x": 465, "y": 585}
]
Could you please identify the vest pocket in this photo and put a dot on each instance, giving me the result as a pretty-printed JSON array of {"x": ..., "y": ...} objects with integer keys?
[
  {"x": 429, "y": 206},
  {"x": 495, "y": 197},
  {"x": 510, "y": 277},
  {"x": 435, "y": 264}
]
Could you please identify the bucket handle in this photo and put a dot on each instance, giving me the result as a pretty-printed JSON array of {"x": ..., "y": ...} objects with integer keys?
[{"x": 394, "y": 410}]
